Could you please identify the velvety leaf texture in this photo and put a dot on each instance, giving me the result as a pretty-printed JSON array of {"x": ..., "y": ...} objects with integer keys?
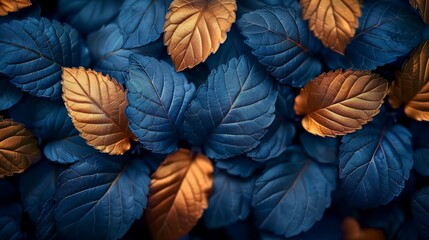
[
  {"x": 242, "y": 166},
  {"x": 33, "y": 51},
  {"x": 233, "y": 110},
  {"x": 9, "y": 94},
  {"x": 292, "y": 194},
  {"x": 282, "y": 42},
  {"x": 100, "y": 196},
  {"x": 420, "y": 210},
  {"x": 158, "y": 98}
]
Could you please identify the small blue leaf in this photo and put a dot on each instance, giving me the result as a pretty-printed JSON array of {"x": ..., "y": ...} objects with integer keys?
[
  {"x": 282, "y": 42},
  {"x": 9, "y": 94},
  {"x": 421, "y": 161},
  {"x": 323, "y": 150},
  {"x": 158, "y": 97},
  {"x": 230, "y": 200},
  {"x": 46, "y": 228},
  {"x": 242, "y": 166},
  {"x": 420, "y": 210},
  {"x": 100, "y": 196},
  {"x": 292, "y": 194},
  {"x": 10, "y": 228},
  {"x": 232, "y": 112}
]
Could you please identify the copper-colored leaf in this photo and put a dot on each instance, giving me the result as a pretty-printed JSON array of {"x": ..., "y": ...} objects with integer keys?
[
  {"x": 96, "y": 105},
  {"x": 411, "y": 85},
  {"x": 178, "y": 194},
  {"x": 353, "y": 231},
  {"x": 194, "y": 29},
  {"x": 423, "y": 7},
  {"x": 333, "y": 22},
  {"x": 337, "y": 103},
  {"x": 7, "y": 6},
  {"x": 18, "y": 148}
]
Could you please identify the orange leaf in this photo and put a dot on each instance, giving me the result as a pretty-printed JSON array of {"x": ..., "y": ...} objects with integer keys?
[
  {"x": 178, "y": 194},
  {"x": 423, "y": 7},
  {"x": 18, "y": 148},
  {"x": 411, "y": 85},
  {"x": 194, "y": 29},
  {"x": 333, "y": 22},
  {"x": 96, "y": 105},
  {"x": 337, "y": 103},
  {"x": 7, "y": 6},
  {"x": 353, "y": 231}
]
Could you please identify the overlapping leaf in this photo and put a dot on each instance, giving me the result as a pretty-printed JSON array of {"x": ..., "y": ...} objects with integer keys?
[
  {"x": 179, "y": 193},
  {"x": 336, "y": 103},
  {"x": 242, "y": 166},
  {"x": 96, "y": 104},
  {"x": 10, "y": 228},
  {"x": 158, "y": 98},
  {"x": 46, "y": 226},
  {"x": 245, "y": 6},
  {"x": 420, "y": 210},
  {"x": 323, "y": 150},
  {"x": 9, "y": 94},
  {"x": 195, "y": 29},
  {"x": 7, "y": 6},
  {"x": 423, "y": 7}
]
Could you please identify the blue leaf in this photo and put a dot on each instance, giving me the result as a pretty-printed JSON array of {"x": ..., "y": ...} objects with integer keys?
[
  {"x": 100, "y": 196},
  {"x": 291, "y": 195},
  {"x": 323, "y": 150},
  {"x": 10, "y": 228},
  {"x": 420, "y": 210},
  {"x": 230, "y": 200},
  {"x": 374, "y": 163},
  {"x": 386, "y": 31},
  {"x": 285, "y": 102},
  {"x": 157, "y": 100},
  {"x": 421, "y": 161},
  {"x": 142, "y": 22},
  {"x": 245, "y": 6},
  {"x": 9, "y": 94},
  {"x": 282, "y": 42},
  {"x": 33, "y": 51},
  {"x": 46, "y": 228},
  {"x": 239, "y": 166},
  {"x": 68, "y": 149},
  {"x": 232, "y": 112}
]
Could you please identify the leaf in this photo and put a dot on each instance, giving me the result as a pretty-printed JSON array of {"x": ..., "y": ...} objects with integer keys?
[
  {"x": 158, "y": 98},
  {"x": 423, "y": 7},
  {"x": 245, "y": 6},
  {"x": 7, "y": 6},
  {"x": 333, "y": 22},
  {"x": 374, "y": 163},
  {"x": 411, "y": 85},
  {"x": 340, "y": 102},
  {"x": 179, "y": 192},
  {"x": 323, "y": 150},
  {"x": 9, "y": 94},
  {"x": 281, "y": 41},
  {"x": 141, "y": 22},
  {"x": 46, "y": 226},
  {"x": 236, "y": 104},
  {"x": 292, "y": 194},
  {"x": 353, "y": 231},
  {"x": 421, "y": 161},
  {"x": 96, "y": 104},
  {"x": 100, "y": 196},
  {"x": 420, "y": 211},
  {"x": 230, "y": 200},
  {"x": 195, "y": 29},
  {"x": 241, "y": 166},
  {"x": 18, "y": 148},
  {"x": 32, "y": 11},
  {"x": 68, "y": 150},
  {"x": 10, "y": 228}
]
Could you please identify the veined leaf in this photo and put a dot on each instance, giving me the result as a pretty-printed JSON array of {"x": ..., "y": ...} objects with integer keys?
[
  {"x": 423, "y": 7},
  {"x": 281, "y": 41},
  {"x": 18, "y": 148},
  {"x": 232, "y": 112},
  {"x": 158, "y": 98},
  {"x": 333, "y": 22},
  {"x": 411, "y": 85},
  {"x": 96, "y": 104},
  {"x": 337, "y": 103},
  {"x": 7, "y": 6},
  {"x": 194, "y": 29},
  {"x": 100, "y": 196},
  {"x": 179, "y": 192},
  {"x": 242, "y": 166},
  {"x": 420, "y": 210},
  {"x": 9, "y": 94}
]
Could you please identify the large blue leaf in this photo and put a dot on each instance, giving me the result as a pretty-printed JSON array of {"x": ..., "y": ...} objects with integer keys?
[
  {"x": 245, "y": 6},
  {"x": 230, "y": 200},
  {"x": 158, "y": 97},
  {"x": 323, "y": 150},
  {"x": 386, "y": 31},
  {"x": 100, "y": 196},
  {"x": 9, "y": 94},
  {"x": 420, "y": 210},
  {"x": 282, "y": 42},
  {"x": 421, "y": 161},
  {"x": 292, "y": 193},
  {"x": 232, "y": 112},
  {"x": 374, "y": 163},
  {"x": 33, "y": 51},
  {"x": 242, "y": 166},
  {"x": 142, "y": 22}
]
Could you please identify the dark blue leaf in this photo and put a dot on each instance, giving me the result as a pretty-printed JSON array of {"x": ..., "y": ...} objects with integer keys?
[
  {"x": 229, "y": 201},
  {"x": 233, "y": 110},
  {"x": 10, "y": 228},
  {"x": 291, "y": 195},
  {"x": 420, "y": 210},
  {"x": 374, "y": 163},
  {"x": 386, "y": 31},
  {"x": 421, "y": 161},
  {"x": 33, "y": 51},
  {"x": 420, "y": 132},
  {"x": 239, "y": 166},
  {"x": 245, "y": 6},
  {"x": 142, "y": 22},
  {"x": 100, "y": 196},
  {"x": 158, "y": 97},
  {"x": 46, "y": 228},
  {"x": 284, "y": 103},
  {"x": 68, "y": 149},
  {"x": 9, "y": 94},
  {"x": 324, "y": 150},
  {"x": 282, "y": 42}
]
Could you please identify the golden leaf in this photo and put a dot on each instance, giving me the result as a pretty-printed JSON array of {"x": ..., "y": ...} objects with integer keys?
[
  {"x": 333, "y": 22},
  {"x": 7, "y": 6},
  {"x": 178, "y": 194},
  {"x": 411, "y": 85},
  {"x": 18, "y": 148},
  {"x": 337, "y": 103},
  {"x": 423, "y": 7},
  {"x": 194, "y": 29},
  {"x": 96, "y": 105},
  {"x": 353, "y": 231}
]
